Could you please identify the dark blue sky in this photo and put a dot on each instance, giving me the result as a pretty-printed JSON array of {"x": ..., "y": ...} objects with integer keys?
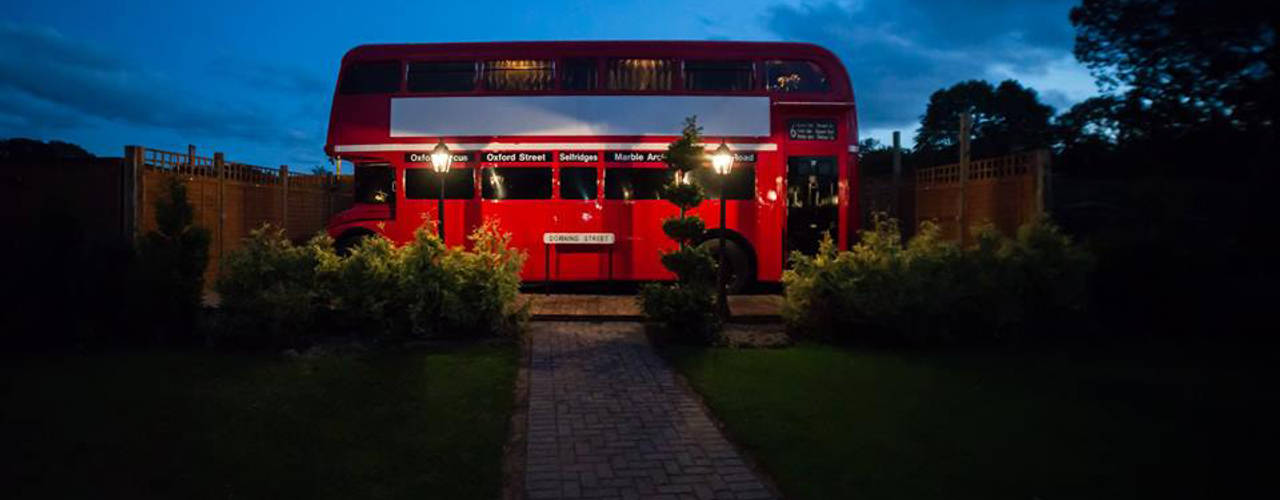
[{"x": 253, "y": 78}]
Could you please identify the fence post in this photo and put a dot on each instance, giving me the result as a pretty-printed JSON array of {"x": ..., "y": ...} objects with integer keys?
[
  {"x": 284, "y": 198},
  {"x": 965, "y": 123},
  {"x": 1042, "y": 181},
  {"x": 129, "y": 193},
  {"x": 135, "y": 156},
  {"x": 220, "y": 165},
  {"x": 191, "y": 158},
  {"x": 897, "y": 175}
]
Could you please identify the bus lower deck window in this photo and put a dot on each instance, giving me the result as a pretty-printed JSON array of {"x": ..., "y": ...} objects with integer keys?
[
  {"x": 718, "y": 75},
  {"x": 442, "y": 76},
  {"x": 795, "y": 76},
  {"x": 740, "y": 184},
  {"x": 518, "y": 74},
  {"x": 424, "y": 183},
  {"x": 515, "y": 183},
  {"x": 371, "y": 78},
  {"x": 578, "y": 183},
  {"x": 621, "y": 183}
]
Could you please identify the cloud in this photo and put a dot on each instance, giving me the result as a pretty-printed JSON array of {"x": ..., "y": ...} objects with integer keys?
[
  {"x": 51, "y": 81},
  {"x": 272, "y": 77},
  {"x": 899, "y": 52}
]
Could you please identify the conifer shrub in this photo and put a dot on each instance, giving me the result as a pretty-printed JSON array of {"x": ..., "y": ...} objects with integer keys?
[
  {"x": 683, "y": 311},
  {"x": 932, "y": 291},
  {"x": 169, "y": 272}
]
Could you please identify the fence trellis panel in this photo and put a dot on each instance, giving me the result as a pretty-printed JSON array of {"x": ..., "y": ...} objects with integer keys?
[
  {"x": 231, "y": 199},
  {"x": 1006, "y": 191}
]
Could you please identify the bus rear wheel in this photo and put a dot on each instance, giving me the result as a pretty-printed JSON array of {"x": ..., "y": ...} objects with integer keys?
[{"x": 738, "y": 273}]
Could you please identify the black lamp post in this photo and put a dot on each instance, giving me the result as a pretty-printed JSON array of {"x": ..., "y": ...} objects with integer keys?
[
  {"x": 441, "y": 158},
  {"x": 722, "y": 162}
]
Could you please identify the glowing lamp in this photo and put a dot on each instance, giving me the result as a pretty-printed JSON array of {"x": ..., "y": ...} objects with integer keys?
[
  {"x": 441, "y": 158},
  {"x": 722, "y": 159}
]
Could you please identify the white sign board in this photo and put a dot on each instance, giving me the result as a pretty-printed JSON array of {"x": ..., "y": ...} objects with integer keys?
[
  {"x": 577, "y": 115},
  {"x": 577, "y": 238}
]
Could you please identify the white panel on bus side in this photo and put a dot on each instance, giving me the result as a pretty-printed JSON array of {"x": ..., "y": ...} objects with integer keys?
[{"x": 577, "y": 115}]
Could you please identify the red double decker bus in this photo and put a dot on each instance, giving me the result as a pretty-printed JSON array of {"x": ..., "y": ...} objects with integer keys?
[{"x": 564, "y": 142}]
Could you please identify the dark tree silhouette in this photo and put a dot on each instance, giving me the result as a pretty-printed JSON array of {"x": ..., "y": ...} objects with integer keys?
[
  {"x": 1194, "y": 61},
  {"x": 21, "y": 149},
  {"x": 1006, "y": 118}
]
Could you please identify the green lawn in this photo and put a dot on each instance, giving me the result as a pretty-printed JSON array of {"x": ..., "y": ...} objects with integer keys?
[
  {"x": 410, "y": 424},
  {"x": 834, "y": 422}
]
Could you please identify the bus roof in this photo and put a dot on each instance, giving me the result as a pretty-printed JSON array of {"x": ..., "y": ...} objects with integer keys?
[{"x": 638, "y": 48}]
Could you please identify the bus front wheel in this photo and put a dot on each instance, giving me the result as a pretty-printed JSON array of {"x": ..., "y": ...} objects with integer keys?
[{"x": 738, "y": 273}]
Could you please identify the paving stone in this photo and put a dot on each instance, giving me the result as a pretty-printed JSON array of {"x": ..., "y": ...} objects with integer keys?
[{"x": 607, "y": 420}]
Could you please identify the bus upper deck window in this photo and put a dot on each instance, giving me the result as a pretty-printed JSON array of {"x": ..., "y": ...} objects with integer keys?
[
  {"x": 442, "y": 76},
  {"x": 374, "y": 183},
  {"x": 371, "y": 78},
  {"x": 717, "y": 75},
  {"x": 579, "y": 74},
  {"x": 518, "y": 74},
  {"x": 640, "y": 74},
  {"x": 795, "y": 76}
]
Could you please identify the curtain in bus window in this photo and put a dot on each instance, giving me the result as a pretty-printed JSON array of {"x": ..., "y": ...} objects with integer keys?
[
  {"x": 740, "y": 184},
  {"x": 635, "y": 183},
  {"x": 424, "y": 183},
  {"x": 371, "y": 78},
  {"x": 579, "y": 74},
  {"x": 640, "y": 74},
  {"x": 374, "y": 184},
  {"x": 795, "y": 76},
  {"x": 717, "y": 75},
  {"x": 577, "y": 183},
  {"x": 515, "y": 183},
  {"x": 518, "y": 74},
  {"x": 447, "y": 76}
]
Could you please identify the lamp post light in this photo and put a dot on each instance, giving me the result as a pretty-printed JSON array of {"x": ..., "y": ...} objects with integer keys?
[
  {"x": 722, "y": 162},
  {"x": 441, "y": 158}
]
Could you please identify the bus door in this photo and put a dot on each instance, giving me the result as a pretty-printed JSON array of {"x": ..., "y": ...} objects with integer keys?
[{"x": 812, "y": 201}]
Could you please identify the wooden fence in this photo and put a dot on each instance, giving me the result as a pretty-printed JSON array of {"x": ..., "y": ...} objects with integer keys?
[
  {"x": 1006, "y": 191},
  {"x": 231, "y": 199}
]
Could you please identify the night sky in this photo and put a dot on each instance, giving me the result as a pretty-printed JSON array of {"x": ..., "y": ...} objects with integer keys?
[{"x": 255, "y": 80}]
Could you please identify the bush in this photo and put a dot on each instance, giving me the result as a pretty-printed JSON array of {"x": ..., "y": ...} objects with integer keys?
[
  {"x": 932, "y": 291},
  {"x": 287, "y": 295},
  {"x": 273, "y": 293}
]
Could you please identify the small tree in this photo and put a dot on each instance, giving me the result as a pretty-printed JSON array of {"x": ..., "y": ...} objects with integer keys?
[
  {"x": 685, "y": 309},
  {"x": 171, "y": 264}
]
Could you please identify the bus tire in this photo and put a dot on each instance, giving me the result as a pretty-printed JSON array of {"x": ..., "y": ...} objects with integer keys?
[
  {"x": 348, "y": 241},
  {"x": 737, "y": 263}
]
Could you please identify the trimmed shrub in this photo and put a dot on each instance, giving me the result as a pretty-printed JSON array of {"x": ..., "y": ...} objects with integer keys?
[
  {"x": 932, "y": 291},
  {"x": 280, "y": 294},
  {"x": 684, "y": 311}
]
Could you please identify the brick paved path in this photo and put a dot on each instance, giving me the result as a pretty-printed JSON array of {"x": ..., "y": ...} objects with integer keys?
[{"x": 607, "y": 420}]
